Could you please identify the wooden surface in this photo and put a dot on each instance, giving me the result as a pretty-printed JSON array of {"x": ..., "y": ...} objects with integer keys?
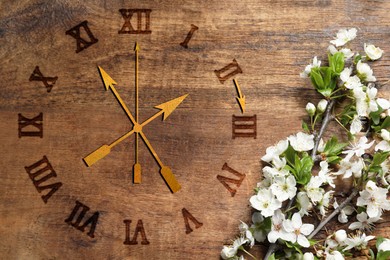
[{"x": 271, "y": 40}]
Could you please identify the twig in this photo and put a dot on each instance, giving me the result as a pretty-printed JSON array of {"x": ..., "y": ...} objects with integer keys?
[
  {"x": 334, "y": 213},
  {"x": 324, "y": 125},
  {"x": 327, "y": 118}
]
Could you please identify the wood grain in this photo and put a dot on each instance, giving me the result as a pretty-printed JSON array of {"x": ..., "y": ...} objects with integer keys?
[{"x": 271, "y": 40}]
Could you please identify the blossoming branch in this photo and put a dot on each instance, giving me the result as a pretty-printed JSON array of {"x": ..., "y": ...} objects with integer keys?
[{"x": 298, "y": 183}]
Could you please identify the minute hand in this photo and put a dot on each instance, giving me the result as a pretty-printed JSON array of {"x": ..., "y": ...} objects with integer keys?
[
  {"x": 109, "y": 83},
  {"x": 166, "y": 108}
]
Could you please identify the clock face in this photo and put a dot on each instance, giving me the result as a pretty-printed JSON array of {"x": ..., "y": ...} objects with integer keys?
[{"x": 135, "y": 130}]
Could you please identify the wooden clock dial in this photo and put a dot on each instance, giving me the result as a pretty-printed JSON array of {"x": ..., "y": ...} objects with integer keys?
[{"x": 55, "y": 111}]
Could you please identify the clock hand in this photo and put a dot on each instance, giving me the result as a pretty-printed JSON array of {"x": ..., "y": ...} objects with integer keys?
[
  {"x": 136, "y": 166},
  {"x": 109, "y": 83},
  {"x": 104, "y": 150},
  {"x": 240, "y": 98},
  {"x": 166, "y": 108},
  {"x": 165, "y": 171}
]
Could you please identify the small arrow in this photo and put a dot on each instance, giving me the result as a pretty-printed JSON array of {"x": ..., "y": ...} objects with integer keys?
[{"x": 240, "y": 98}]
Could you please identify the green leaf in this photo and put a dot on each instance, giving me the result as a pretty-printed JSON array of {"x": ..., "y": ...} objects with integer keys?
[
  {"x": 376, "y": 116},
  {"x": 305, "y": 127},
  {"x": 316, "y": 78},
  {"x": 386, "y": 123},
  {"x": 383, "y": 255},
  {"x": 379, "y": 241},
  {"x": 272, "y": 257},
  {"x": 303, "y": 169},
  {"x": 327, "y": 92},
  {"x": 379, "y": 158},
  {"x": 336, "y": 62},
  {"x": 289, "y": 154},
  {"x": 372, "y": 255},
  {"x": 332, "y": 147},
  {"x": 333, "y": 159}
]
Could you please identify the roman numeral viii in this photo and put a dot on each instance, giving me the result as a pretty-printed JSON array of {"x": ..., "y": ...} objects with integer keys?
[{"x": 41, "y": 172}]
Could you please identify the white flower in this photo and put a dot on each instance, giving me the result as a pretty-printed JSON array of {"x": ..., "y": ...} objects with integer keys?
[
  {"x": 365, "y": 101},
  {"x": 310, "y": 109},
  {"x": 258, "y": 232},
  {"x": 358, "y": 241},
  {"x": 344, "y": 213},
  {"x": 244, "y": 229},
  {"x": 298, "y": 231},
  {"x": 323, "y": 204},
  {"x": 358, "y": 148},
  {"x": 364, "y": 223},
  {"x": 384, "y": 246},
  {"x": 348, "y": 168},
  {"x": 343, "y": 36},
  {"x": 340, "y": 236},
  {"x": 301, "y": 142},
  {"x": 231, "y": 251},
  {"x": 383, "y": 145},
  {"x": 271, "y": 172},
  {"x": 375, "y": 198},
  {"x": 365, "y": 72},
  {"x": 308, "y": 256},
  {"x": 321, "y": 106},
  {"x": 315, "y": 64},
  {"x": 384, "y": 103},
  {"x": 347, "y": 52},
  {"x": 372, "y": 52},
  {"x": 324, "y": 174},
  {"x": 284, "y": 188},
  {"x": 277, "y": 230},
  {"x": 356, "y": 125},
  {"x": 273, "y": 152},
  {"x": 304, "y": 203},
  {"x": 265, "y": 202},
  {"x": 314, "y": 192},
  {"x": 350, "y": 82},
  {"x": 335, "y": 255}
]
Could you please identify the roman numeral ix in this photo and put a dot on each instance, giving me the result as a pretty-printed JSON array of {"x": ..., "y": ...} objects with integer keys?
[{"x": 32, "y": 127}]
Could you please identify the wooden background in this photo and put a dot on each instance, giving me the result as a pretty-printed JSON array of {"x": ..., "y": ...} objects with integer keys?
[{"x": 271, "y": 40}]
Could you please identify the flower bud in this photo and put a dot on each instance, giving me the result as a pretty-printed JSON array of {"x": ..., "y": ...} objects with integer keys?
[
  {"x": 372, "y": 52},
  {"x": 340, "y": 236},
  {"x": 322, "y": 105},
  {"x": 308, "y": 256},
  {"x": 385, "y": 135},
  {"x": 310, "y": 109}
]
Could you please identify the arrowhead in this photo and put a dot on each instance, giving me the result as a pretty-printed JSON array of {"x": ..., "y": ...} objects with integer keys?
[
  {"x": 136, "y": 47},
  {"x": 170, "y": 106},
  {"x": 241, "y": 101},
  {"x": 107, "y": 80}
]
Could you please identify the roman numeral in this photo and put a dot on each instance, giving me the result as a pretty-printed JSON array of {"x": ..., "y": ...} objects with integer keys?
[
  {"x": 41, "y": 172},
  {"x": 76, "y": 223},
  {"x": 81, "y": 42},
  {"x": 47, "y": 81},
  {"x": 189, "y": 36},
  {"x": 225, "y": 180},
  {"x": 34, "y": 124},
  {"x": 244, "y": 126},
  {"x": 127, "y": 27},
  {"x": 139, "y": 229},
  {"x": 228, "y": 71},
  {"x": 187, "y": 216}
]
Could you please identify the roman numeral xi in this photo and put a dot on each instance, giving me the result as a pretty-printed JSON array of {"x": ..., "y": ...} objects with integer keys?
[{"x": 81, "y": 42}]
